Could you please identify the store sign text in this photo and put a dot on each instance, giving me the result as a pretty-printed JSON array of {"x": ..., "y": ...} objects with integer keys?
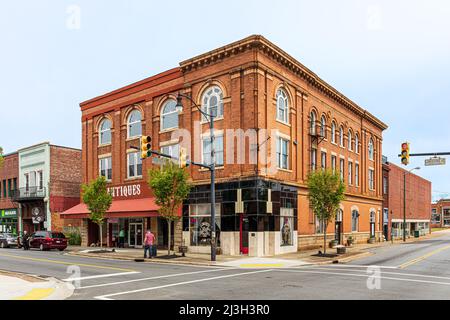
[{"x": 125, "y": 191}]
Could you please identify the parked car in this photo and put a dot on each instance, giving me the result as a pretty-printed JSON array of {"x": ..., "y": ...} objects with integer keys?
[
  {"x": 8, "y": 240},
  {"x": 47, "y": 240}
]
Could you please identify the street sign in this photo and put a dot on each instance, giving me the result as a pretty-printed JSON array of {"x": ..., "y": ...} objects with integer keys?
[{"x": 435, "y": 161}]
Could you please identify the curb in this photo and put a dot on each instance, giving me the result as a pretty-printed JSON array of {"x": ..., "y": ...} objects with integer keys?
[
  {"x": 154, "y": 260},
  {"x": 343, "y": 260}
]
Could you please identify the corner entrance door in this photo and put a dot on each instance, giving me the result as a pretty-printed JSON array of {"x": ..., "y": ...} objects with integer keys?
[
  {"x": 135, "y": 235},
  {"x": 338, "y": 226},
  {"x": 337, "y": 231},
  {"x": 243, "y": 230}
]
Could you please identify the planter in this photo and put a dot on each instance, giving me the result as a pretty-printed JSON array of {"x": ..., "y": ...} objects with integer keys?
[
  {"x": 371, "y": 240},
  {"x": 350, "y": 242},
  {"x": 333, "y": 244}
]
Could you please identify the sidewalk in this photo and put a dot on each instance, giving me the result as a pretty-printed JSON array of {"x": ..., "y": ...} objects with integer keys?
[
  {"x": 286, "y": 260},
  {"x": 15, "y": 286}
]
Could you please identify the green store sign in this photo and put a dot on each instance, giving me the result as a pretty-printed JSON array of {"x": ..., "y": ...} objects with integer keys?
[{"x": 8, "y": 213}]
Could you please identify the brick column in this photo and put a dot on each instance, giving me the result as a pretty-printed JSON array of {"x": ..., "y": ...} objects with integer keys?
[{"x": 84, "y": 232}]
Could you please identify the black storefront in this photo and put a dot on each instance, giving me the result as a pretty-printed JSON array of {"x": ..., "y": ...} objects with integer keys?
[{"x": 244, "y": 207}]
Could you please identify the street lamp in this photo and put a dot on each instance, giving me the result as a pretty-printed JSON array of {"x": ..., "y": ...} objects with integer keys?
[
  {"x": 404, "y": 200},
  {"x": 211, "y": 167}
]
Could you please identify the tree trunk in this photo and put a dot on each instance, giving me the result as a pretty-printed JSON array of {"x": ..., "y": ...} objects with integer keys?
[
  {"x": 101, "y": 235},
  {"x": 325, "y": 238},
  {"x": 169, "y": 236}
]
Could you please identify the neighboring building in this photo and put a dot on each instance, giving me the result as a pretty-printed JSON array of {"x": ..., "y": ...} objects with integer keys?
[
  {"x": 9, "y": 174},
  {"x": 386, "y": 216},
  {"x": 418, "y": 202},
  {"x": 440, "y": 214},
  {"x": 300, "y": 123},
  {"x": 50, "y": 179}
]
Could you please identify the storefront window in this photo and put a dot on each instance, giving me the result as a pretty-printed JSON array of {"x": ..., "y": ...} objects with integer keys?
[
  {"x": 287, "y": 226},
  {"x": 200, "y": 224}
]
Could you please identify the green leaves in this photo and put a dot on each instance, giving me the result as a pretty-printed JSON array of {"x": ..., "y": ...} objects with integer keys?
[
  {"x": 170, "y": 187},
  {"x": 326, "y": 192},
  {"x": 1, "y": 157},
  {"x": 97, "y": 198}
]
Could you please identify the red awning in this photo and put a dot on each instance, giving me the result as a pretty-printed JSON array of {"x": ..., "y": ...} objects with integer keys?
[{"x": 120, "y": 208}]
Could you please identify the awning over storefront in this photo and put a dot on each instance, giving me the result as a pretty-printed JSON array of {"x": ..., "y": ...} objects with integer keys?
[{"x": 120, "y": 208}]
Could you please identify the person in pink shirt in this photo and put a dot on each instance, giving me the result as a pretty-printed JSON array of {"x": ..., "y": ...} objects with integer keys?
[{"x": 148, "y": 244}]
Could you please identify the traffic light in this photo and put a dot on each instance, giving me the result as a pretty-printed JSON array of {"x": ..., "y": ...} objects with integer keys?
[
  {"x": 182, "y": 159},
  {"x": 405, "y": 153},
  {"x": 146, "y": 147}
]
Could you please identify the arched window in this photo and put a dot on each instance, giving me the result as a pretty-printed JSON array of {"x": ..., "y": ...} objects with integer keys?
[
  {"x": 134, "y": 124},
  {"x": 356, "y": 143},
  {"x": 333, "y": 132},
  {"x": 212, "y": 102},
  {"x": 282, "y": 106},
  {"x": 169, "y": 115},
  {"x": 355, "y": 220},
  {"x": 341, "y": 136},
  {"x": 105, "y": 132},
  {"x": 312, "y": 124},
  {"x": 371, "y": 150},
  {"x": 323, "y": 127},
  {"x": 350, "y": 140}
]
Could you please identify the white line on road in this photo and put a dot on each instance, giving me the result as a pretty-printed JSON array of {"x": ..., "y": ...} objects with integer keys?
[
  {"x": 104, "y": 297},
  {"x": 100, "y": 276},
  {"x": 383, "y": 272},
  {"x": 365, "y": 276},
  {"x": 154, "y": 278}
]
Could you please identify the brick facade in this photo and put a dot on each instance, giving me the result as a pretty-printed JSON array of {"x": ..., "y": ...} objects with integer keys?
[
  {"x": 418, "y": 199},
  {"x": 441, "y": 214},
  {"x": 9, "y": 173},
  {"x": 65, "y": 184},
  {"x": 249, "y": 73}
]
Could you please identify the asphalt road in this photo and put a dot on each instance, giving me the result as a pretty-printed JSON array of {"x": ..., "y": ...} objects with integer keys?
[{"x": 405, "y": 271}]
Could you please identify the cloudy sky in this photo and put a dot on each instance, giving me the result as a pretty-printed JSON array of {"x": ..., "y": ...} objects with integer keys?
[{"x": 390, "y": 57}]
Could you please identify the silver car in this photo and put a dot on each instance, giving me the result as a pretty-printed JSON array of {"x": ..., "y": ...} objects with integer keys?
[{"x": 8, "y": 240}]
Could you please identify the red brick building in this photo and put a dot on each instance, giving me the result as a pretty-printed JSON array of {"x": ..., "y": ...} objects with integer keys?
[
  {"x": 293, "y": 122},
  {"x": 418, "y": 201},
  {"x": 440, "y": 214},
  {"x": 9, "y": 173},
  {"x": 49, "y": 183}
]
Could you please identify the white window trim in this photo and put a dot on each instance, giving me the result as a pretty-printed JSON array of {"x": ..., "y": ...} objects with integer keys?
[
  {"x": 216, "y": 135},
  {"x": 106, "y": 169},
  {"x": 161, "y": 117},
  {"x": 131, "y": 123},
  {"x": 100, "y": 144},
  {"x": 287, "y": 108},
  {"x": 288, "y": 139},
  {"x": 135, "y": 165}
]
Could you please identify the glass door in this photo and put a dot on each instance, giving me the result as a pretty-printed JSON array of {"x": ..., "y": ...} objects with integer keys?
[
  {"x": 132, "y": 235},
  {"x": 244, "y": 227},
  {"x": 139, "y": 233}
]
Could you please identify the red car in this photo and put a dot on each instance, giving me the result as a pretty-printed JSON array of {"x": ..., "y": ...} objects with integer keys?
[{"x": 47, "y": 240}]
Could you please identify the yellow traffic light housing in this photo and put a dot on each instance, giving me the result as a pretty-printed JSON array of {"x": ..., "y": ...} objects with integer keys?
[
  {"x": 182, "y": 159},
  {"x": 405, "y": 153},
  {"x": 146, "y": 147}
]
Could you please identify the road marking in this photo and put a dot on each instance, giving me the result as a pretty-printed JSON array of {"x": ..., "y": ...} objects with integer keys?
[
  {"x": 383, "y": 272},
  {"x": 365, "y": 276},
  {"x": 37, "y": 294},
  {"x": 153, "y": 278},
  {"x": 421, "y": 258},
  {"x": 357, "y": 266},
  {"x": 100, "y": 276},
  {"x": 107, "y": 296},
  {"x": 67, "y": 263},
  {"x": 261, "y": 265}
]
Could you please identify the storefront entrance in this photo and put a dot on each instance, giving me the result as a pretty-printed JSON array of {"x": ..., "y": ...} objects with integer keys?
[
  {"x": 338, "y": 227},
  {"x": 135, "y": 235},
  {"x": 243, "y": 229}
]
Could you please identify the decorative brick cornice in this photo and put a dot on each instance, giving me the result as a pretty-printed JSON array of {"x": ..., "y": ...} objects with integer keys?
[{"x": 261, "y": 44}]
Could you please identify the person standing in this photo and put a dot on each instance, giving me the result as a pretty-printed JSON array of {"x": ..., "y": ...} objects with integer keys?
[
  {"x": 148, "y": 244},
  {"x": 121, "y": 238},
  {"x": 25, "y": 241}
]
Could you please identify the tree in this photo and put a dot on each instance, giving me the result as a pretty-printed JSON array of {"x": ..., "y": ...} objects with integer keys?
[
  {"x": 98, "y": 200},
  {"x": 170, "y": 187},
  {"x": 326, "y": 192},
  {"x": 1, "y": 157}
]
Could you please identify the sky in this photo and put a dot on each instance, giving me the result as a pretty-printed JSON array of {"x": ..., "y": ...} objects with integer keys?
[{"x": 390, "y": 57}]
